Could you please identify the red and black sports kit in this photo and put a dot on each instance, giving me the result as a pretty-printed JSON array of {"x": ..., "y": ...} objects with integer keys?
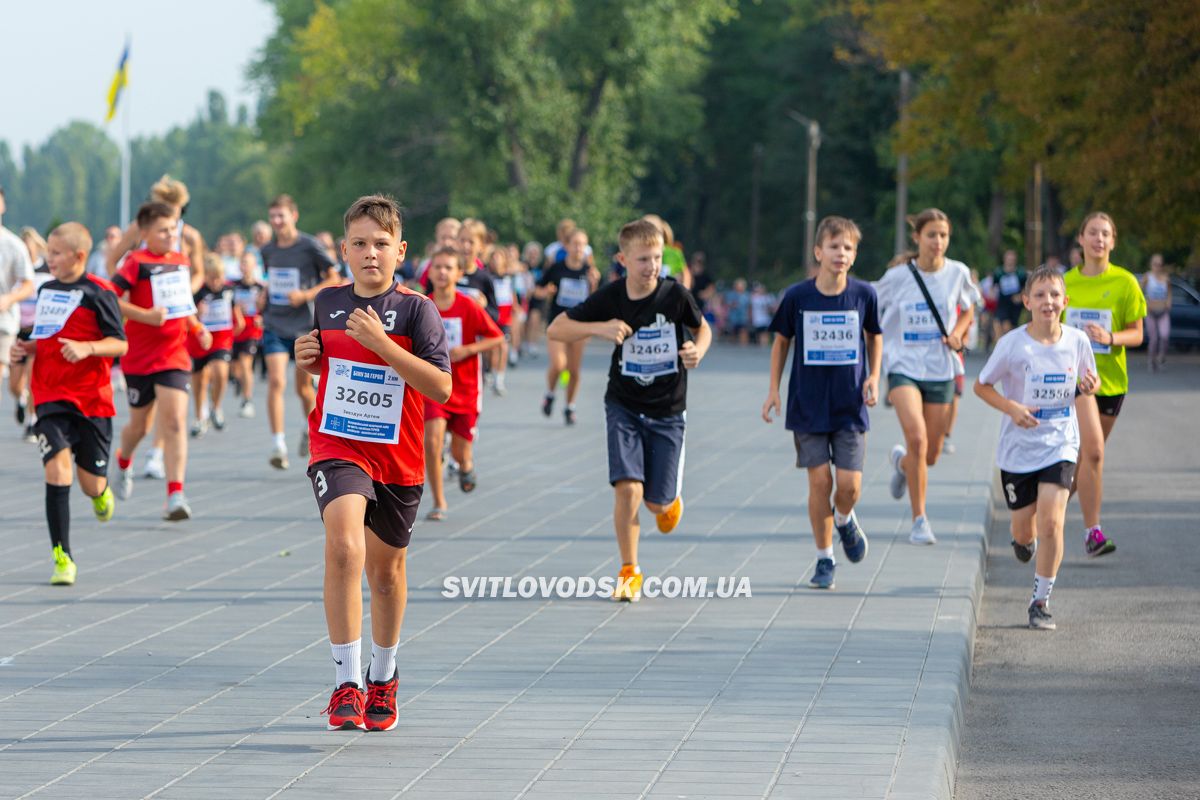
[
  {"x": 465, "y": 322},
  {"x": 367, "y": 430},
  {"x": 74, "y": 402},
  {"x": 215, "y": 309},
  {"x": 246, "y": 296},
  {"x": 157, "y": 355}
]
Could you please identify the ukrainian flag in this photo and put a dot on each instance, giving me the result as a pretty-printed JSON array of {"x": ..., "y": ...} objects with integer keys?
[{"x": 119, "y": 81}]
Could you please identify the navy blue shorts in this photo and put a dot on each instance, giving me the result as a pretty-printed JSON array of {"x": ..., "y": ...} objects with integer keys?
[
  {"x": 646, "y": 449},
  {"x": 273, "y": 343}
]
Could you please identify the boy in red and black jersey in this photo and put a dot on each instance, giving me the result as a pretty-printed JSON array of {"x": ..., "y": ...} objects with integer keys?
[
  {"x": 379, "y": 351},
  {"x": 246, "y": 342},
  {"x": 76, "y": 334},
  {"x": 222, "y": 318},
  {"x": 469, "y": 332},
  {"x": 156, "y": 287}
]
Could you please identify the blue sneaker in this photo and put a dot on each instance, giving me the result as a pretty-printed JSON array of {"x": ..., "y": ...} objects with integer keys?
[
  {"x": 854, "y": 541},
  {"x": 823, "y": 577}
]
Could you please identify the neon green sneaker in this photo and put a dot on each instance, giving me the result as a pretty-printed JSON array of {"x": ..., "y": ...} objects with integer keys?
[
  {"x": 104, "y": 505},
  {"x": 64, "y": 568}
]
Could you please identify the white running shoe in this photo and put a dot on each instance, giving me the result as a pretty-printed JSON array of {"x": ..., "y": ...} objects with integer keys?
[
  {"x": 899, "y": 482},
  {"x": 247, "y": 409},
  {"x": 921, "y": 532},
  {"x": 217, "y": 418},
  {"x": 154, "y": 467},
  {"x": 177, "y": 508},
  {"x": 125, "y": 483},
  {"x": 279, "y": 459}
]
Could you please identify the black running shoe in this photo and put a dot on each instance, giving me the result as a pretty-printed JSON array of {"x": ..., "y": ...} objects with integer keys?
[
  {"x": 1024, "y": 552},
  {"x": 547, "y": 405}
]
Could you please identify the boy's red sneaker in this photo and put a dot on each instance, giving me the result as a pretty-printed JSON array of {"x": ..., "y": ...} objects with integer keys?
[
  {"x": 345, "y": 708},
  {"x": 381, "y": 703}
]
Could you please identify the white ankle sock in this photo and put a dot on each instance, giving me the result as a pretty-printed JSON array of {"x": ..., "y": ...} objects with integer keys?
[
  {"x": 383, "y": 662},
  {"x": 348, "y": 660},
  {"x": 1042, "y": 587},
  {"x": 280, "y": 440},
  {"x": 841, "y": 519},
  {"x": 825, "y": 552}
]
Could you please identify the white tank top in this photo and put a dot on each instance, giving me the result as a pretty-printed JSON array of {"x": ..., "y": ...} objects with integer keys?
[{"x": 1155, "y": 289}]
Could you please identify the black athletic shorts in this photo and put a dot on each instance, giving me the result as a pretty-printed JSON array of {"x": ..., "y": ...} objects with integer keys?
[
  {"x": 89, "y": 438},
  {"x": 216, "y": 355},
  {"x": 247, "y": 347},
  {"x": 140, "y": 388},
  {"x": 391, "y": 509},
  {"x": 1110, "y": 406},
  {"x": 1021, "y": 488}
]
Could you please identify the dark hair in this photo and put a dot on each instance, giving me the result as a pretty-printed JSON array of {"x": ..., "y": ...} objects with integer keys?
[
  {"x": 1042, "y": 273},
  {"x": 448, "y": 251},
  {"x": 154, "y": 210},
  {"x": 284, "y": 201},
  {"x": 380, "y": 208},
  {"x": 836, "y": 226}
]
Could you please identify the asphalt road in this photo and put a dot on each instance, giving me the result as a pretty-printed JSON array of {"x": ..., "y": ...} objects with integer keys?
[{"x": 1107, "y": 706}]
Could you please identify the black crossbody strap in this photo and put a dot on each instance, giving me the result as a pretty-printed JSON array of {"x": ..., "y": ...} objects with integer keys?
[{"x": 933, "y": 309}]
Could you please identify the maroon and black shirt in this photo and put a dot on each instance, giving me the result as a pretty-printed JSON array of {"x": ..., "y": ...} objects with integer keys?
[{"x": 361, "y": 380}]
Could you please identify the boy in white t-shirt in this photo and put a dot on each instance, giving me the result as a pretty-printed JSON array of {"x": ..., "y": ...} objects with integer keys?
[{"x": 1040, "y": 366}]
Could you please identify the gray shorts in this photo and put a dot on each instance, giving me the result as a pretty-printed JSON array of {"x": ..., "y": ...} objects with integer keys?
[
  {"x": 646, "y": 449},
  {"x": 846, "y": 449}
]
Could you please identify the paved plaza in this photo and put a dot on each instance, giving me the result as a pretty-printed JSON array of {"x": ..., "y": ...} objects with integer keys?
[{"x": 190, "y": 660}]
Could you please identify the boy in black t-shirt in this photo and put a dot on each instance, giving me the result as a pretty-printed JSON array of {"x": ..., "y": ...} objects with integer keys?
[{"x": 659, "y": 332}]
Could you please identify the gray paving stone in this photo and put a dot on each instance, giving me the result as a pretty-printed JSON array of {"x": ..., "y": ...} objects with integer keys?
[{"x": 190, "y": 660}]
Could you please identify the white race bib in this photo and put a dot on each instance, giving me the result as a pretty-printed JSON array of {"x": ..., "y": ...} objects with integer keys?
[
  {"x": 1082, "y": 317},
  {"x": 453, "y": 327},
  {"x": 830, "y": 338},
  {"x": 247, "y": 298},
  {"x": 651, "y": 351},
  {"x": 504, "y": 291},
  {"x": 218, "y": 314},
  {"x": 172, "y": 292},
  {"x": 363, "y": 402},
  {"x": 29, "y": 304},
  {"x": 1010, "y": 283},
  {"x": 53, "y": 310},
  {"x": 281, "y": 282},
  {"x": 571, "y": 292},
  {"x": 1050, "y": 394},
  {"x": 917, "y": 324}
]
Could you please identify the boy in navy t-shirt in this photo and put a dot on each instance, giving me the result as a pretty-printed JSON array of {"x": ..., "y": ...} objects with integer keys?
[{"x": 835, "y": 377}]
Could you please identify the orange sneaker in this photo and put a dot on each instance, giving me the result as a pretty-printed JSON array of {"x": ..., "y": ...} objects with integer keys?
[
  {"x": 668, "y": 519},
  {"x": 629, "y": 584}
]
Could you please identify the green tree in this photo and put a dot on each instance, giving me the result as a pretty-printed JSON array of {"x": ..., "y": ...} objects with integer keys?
[
  {"x": 1102, "y": 93},
  {"x": 518, "y": 111}
]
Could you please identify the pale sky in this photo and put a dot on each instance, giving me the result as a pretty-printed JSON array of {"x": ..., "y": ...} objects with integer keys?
[{"x": 58, "y": 58}]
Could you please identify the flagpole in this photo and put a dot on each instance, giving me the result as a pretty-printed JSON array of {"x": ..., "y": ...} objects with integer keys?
[{"x": 125, "y": 154}]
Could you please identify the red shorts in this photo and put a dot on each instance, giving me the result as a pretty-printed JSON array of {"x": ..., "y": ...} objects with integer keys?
[{"x": 458, "y": 423}]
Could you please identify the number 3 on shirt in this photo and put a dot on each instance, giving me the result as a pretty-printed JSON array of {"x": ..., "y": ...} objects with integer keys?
[{"x": 389, "y": 320}]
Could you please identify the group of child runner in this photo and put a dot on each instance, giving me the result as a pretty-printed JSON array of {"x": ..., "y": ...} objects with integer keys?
[{"x": 397, "y": 369}]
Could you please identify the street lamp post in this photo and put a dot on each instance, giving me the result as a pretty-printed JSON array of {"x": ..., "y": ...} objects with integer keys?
[{"x": 810, "y": 210}]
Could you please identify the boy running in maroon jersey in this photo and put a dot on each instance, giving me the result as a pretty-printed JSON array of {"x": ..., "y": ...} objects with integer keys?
[
  {"x": 377, "y": 348},
  {"x": 469, "y": 332},
  {"x": 160, "y": 311},
  {"x": 76, "y": 334}
]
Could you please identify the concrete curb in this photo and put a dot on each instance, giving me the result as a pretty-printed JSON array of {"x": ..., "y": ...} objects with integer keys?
[{"x": 928, "y": 762}]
